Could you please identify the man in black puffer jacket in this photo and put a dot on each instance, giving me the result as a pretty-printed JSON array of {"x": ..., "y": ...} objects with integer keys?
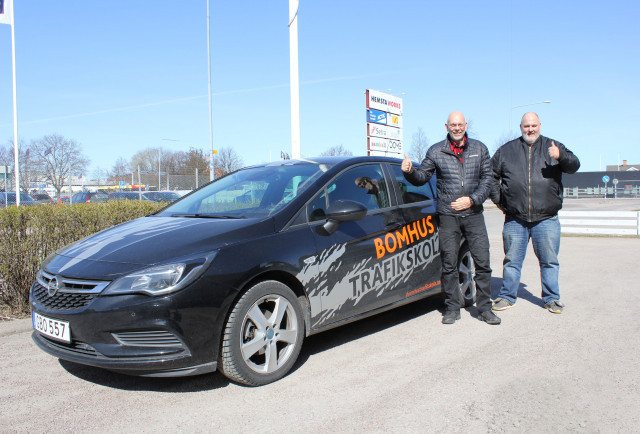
[
  {"x": 528, "y": 173},
  {"x": 464, "y": 181}
]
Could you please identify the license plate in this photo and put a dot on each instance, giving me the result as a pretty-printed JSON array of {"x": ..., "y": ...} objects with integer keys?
[{"x": 52, "y": 327}]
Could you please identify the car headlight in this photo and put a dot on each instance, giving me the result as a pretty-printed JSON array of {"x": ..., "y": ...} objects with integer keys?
[{"x": 161, "y": 279}]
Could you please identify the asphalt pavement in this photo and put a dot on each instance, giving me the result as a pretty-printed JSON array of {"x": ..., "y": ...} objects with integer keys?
[{"x": 401, "y": 371}]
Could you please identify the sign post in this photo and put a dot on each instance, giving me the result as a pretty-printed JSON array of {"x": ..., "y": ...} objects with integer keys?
[
  {"x": 605, "y": 179},
  {"x": 615, "y": 188}
]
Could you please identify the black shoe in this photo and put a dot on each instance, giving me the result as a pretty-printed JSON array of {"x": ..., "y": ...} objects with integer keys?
[
  {"x": 489, "y": 317},
  {"x": 450, "y": 317}
]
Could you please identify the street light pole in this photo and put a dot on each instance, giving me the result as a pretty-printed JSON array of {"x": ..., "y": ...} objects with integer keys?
[
  {"x": 211, "y": 174},
  {"x": 523, "y": 105},
  {"x": 294, "y": 80}
]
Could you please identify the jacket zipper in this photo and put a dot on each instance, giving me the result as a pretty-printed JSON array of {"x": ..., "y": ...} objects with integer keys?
[{"x": 530, "y": 148}]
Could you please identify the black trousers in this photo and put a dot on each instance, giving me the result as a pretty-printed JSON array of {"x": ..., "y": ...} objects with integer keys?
[{"x": 473, "y": 228}]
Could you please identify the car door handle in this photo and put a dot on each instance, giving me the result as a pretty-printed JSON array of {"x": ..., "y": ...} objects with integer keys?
[{"x": 392, "y": 224}]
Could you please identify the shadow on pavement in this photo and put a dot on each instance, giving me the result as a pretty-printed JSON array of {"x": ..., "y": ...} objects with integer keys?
[
  {"x": 523, "y": 292},
  {"x": 115, "y": 380},
  {"x": 350, "y": 332},
  {"x": 312, "y": 345}
]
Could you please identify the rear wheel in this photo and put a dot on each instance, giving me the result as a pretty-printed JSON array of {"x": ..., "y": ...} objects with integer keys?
[
  {"x": 466, "y": 276},
  {"x": 263, "y": 335}
]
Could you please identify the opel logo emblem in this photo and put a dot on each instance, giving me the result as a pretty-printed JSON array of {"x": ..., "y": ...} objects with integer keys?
[{"x": 54, "y": 285}]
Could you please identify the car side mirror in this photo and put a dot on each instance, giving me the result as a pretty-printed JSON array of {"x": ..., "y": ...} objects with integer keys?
[{"x": 343, "y": 211}]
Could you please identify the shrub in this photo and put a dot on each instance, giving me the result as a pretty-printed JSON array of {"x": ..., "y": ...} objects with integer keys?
[{"x": 28, "y": 234}]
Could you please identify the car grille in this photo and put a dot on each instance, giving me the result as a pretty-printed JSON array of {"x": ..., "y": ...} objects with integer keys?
[
  {"x": 69, "y": 294},
  {"x": 60, "y": 301},
  {"x": 150, "y": 338}
]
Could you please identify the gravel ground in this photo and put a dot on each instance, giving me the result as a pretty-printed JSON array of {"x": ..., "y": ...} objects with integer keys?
[{"x": 402, "y": 371}]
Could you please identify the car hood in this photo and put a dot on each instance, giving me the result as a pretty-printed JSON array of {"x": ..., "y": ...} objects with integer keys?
[{"x": 150, "y": 240}]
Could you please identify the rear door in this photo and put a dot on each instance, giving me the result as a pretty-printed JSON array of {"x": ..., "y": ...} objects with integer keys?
[{"x": 416, "y": 243}]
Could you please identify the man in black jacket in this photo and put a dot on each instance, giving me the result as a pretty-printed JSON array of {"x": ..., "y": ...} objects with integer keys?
[
  {"x": 464, "y": 181},
  {"x": 528, "y": 173}
]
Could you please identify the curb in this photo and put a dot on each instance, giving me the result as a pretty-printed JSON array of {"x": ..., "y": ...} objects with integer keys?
[{"x": 8, "y": 328}]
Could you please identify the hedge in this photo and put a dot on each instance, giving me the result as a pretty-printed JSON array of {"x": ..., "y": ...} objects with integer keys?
[{"x": 28, "y": 234}]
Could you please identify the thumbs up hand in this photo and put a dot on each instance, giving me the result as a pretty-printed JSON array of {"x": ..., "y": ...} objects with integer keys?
[
  {"x": 407, "y": 165},
  {"x": 554, "y": 151}
]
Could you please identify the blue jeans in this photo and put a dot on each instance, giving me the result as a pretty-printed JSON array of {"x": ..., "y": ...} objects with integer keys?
[{"x": 545, "y": 237}]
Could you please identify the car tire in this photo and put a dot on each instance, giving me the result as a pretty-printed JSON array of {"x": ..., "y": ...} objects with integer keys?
[
  {"x": 466, "y": 276},
  {"x": 263, "y": 335}
]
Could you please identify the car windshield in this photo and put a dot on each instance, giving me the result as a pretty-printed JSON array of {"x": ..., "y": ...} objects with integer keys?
[{"x": 251, "y": 192}]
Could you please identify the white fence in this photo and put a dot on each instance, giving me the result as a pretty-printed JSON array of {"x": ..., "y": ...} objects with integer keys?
[{"x": 600, "y": 222}]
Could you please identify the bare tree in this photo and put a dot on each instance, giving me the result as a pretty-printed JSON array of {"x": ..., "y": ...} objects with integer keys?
[
  {"x": 57, "y": 158},
  {"x": 471, "y": 132},
  {"x": 419, "y": 145},
  {"x": 225, "y": 161},
  {"x": 504, "y": 138},
  {"x": 100, "y": 175},
  {"x": 335, "y": 151},
  {"x": 147, "y": 160},
  {"x": 120, "y": 169}
]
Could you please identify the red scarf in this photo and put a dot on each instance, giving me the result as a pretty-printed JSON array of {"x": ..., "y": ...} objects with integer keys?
[{"x": 457, "y": 149}]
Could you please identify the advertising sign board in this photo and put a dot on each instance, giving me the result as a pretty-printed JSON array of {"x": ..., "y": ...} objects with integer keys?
[
  {"x": 383, "y": 131},
  {"x": 384, "y": 118},
  {"x": 385, "y": 146},
  {"x": 384, "y": 102}
]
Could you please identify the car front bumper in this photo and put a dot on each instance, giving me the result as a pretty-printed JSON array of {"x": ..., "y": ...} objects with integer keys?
[{"x": 173, "y": 335}]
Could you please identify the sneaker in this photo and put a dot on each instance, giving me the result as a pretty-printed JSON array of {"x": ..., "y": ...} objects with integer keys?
[
  {"x": 556, "y": 306},
  {"x": 502, "y": 304},
  {"x": 489, "y": 317},
  {"x": 450, "y": 317}
]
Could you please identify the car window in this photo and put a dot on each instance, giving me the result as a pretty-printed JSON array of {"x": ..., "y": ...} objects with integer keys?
[
  {"x": 250, "y": 192},
  {"x": 410, "y": 193},
  {"x": 364, "y": 184}
]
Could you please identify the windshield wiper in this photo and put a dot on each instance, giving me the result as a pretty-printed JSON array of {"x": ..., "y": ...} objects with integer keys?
[{"x": 209, "y": 216}]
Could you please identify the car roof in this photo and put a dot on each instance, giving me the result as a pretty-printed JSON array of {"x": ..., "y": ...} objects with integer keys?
[{"x": 337, "y": 160}]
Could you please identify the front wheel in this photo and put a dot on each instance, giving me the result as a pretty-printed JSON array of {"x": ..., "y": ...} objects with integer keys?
[
  {"x": 263, "y": 335},
  {"x": 466, "y": 276}
]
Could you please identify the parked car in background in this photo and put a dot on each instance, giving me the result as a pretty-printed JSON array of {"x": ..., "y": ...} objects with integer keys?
[
  {"x": 43, "y": 198},
  {"x": 89, "y": 197},
  {"x": 127, "y": 195},
  {"x": 9, "y": 198},
  {"x": 217, "y": 282},
  {"x": 161, "y": 196},
  {"x": 64, "y": 200}
]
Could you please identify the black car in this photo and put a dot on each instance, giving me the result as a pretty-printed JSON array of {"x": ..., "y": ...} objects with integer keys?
[
  {"x": 232, "y": 280},
  {"x": 127, "y": 195},
  {"x": 89, "y": 196},
  {"x": 161, "y": 196},
  {"x": 42, "y": 198}
]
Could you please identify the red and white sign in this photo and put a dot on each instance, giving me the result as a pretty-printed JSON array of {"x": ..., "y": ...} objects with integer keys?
[
  {"x": 383, "y": 131},
  {"x": 384, "y": 147},
  {"x": 383, "y": 101}
]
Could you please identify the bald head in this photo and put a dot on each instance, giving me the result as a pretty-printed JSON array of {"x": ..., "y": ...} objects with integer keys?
[
  {"x": 530, "y": 128},
  {"x": 456, "y": 126}
]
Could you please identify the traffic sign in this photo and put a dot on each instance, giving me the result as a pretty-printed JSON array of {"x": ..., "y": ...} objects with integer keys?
[
  {"x": 615, "y": 181},
  {"x": 605, "y": 178}
]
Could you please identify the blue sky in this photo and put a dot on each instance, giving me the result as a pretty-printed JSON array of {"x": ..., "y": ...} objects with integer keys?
[{"x": 122, "y": 76}]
